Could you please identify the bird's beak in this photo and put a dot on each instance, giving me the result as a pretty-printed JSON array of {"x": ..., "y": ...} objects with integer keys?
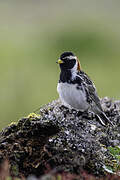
[{"x": 59, "y": 61}]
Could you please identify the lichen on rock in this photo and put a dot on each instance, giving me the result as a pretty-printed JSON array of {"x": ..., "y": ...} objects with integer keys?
[{"x": 65, "y": 139}]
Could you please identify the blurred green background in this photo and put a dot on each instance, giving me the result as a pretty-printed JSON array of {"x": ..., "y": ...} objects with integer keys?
[{"x": 32, "y": 36}]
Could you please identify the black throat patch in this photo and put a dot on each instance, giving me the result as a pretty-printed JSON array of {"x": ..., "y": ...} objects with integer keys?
[{"x": 66, "y": 76}]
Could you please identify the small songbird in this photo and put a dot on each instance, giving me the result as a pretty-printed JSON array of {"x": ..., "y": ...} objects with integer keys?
[{"x": 76, "y": 89}]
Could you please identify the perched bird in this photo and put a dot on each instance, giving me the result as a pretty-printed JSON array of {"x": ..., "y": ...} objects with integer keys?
[{"x": 76, "y": 89}]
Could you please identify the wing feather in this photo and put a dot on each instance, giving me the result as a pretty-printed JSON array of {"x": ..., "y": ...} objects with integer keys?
[{"x": 92, "y": 96}]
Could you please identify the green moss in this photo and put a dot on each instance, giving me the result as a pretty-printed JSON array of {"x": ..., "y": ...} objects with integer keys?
[
  {"x": 9, "y": 178},
  {"x": 15, "y": 170},
  {"x": 33, "y": 115},
  {"x": 59, "y": 177},
  {"x": 12, "y": 123},
  {"x": 114, "y": 164}
]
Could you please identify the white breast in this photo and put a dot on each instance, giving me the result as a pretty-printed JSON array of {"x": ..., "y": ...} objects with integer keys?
[{"x": 72, "y": 96}]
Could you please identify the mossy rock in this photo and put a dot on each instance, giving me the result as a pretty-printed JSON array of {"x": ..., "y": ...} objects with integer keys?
[{"x": 61, "y": 138}]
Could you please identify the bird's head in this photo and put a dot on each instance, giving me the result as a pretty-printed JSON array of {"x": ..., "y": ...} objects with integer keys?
[{"x": 68, "y": 61}]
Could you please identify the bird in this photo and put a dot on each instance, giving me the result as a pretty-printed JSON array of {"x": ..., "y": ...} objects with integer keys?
[{"x": 76, "y": 89}]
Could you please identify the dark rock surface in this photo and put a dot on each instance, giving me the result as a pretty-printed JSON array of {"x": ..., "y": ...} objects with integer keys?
[{"x": 62, "y": 139}]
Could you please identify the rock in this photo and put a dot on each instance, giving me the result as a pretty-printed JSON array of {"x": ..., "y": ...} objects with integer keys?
[{"x": 61, "y": 139}]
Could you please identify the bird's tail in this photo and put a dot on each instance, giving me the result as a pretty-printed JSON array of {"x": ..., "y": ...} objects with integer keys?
[{"x": 103, "y": 119}]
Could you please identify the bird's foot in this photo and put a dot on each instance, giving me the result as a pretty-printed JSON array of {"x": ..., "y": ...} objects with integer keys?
[{"x": 88, "y": 114}]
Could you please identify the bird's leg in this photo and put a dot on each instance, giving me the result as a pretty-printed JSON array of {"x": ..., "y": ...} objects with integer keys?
[
  {"x": 91, "y": 114},
  {"x": 88, "y": 114},
  {"x": 80, "y": 113}
]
